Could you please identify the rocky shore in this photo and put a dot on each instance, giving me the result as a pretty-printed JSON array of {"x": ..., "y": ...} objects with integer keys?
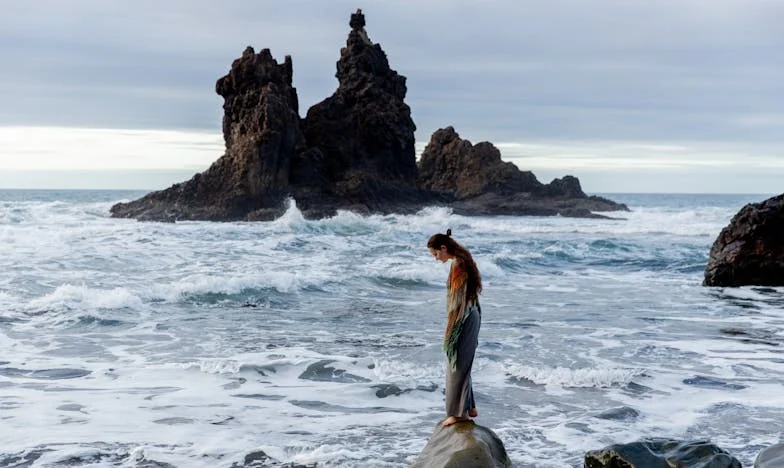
[{"x": 352, "y": 151}]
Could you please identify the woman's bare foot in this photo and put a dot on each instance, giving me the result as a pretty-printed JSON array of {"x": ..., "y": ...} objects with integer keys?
[
  {"x": 452, "y": 419},
  {"x": 472, "y": 413}
]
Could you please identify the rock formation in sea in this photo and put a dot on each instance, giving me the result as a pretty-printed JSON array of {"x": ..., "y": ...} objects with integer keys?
[
  {"x": 477, "y": 181},
  {"x": 661, "y": 453},
  {"x": 353, "y": 151},
  {"x": 365, "y": 131},
  {"x": 463, "y": 444},
  {"x": 750, "y": 250},
  {"x": 264, "y": 150}
]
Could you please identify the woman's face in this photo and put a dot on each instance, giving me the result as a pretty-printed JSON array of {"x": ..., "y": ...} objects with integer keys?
[{"x": 440, "y": 254}]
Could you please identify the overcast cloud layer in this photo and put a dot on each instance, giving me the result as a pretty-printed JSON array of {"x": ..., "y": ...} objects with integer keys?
[{"x": 700, "y": 74}]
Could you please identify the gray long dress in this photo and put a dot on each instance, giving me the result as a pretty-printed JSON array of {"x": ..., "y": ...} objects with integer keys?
[
  {"x": 459, "y": 391},
  {"x": 464, "y": 318}
]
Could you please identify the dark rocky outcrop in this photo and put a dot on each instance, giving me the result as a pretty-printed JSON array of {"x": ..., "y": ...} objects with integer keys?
[
  {"x": 454, "y": 167},
  {"x": 353, "y": 151},
  {"x": 771, "y": 457},
  {"x": 750, "y": 250},
  {"x": 463, "y": 445},
  {"x": 264, "y": 147},
  {"x": 661, "y": 453},
  {"x": 478, "y": 181},
  {"x": 364, "y": 129}
]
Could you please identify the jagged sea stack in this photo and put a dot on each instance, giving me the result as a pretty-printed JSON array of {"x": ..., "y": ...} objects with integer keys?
[
  {"x": 750, "y": 250},
  {"x": 354, "y": 150},
  {"x": 263, "y": 141},
  {"x": 365, "y": 130}
]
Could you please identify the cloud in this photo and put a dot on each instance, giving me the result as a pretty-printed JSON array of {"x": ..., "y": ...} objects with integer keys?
[
  {"x": 702, "y": 74},
  {"x": 80, "y": 149},
  {"x": 532, "y": 62}
]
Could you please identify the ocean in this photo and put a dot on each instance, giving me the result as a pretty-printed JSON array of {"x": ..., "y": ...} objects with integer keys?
[{"x": 318, "y": 343}]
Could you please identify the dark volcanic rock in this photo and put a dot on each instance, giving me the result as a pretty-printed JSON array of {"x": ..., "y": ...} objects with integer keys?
[
  {"x": 263, "y": 140},
  {"x": 479, "y": 182},
  {"x": 750, "y": 250},
  {"x": 353, "y": 151},
  {"x": 661, "y": 453},
  {"x": 568, "y": 187},
  {"x": 453, "y": 166},
  {"x": 365, "y": 130}
]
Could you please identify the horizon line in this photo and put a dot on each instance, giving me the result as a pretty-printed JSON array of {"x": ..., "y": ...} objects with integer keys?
[{"x": 45, "y": 189}]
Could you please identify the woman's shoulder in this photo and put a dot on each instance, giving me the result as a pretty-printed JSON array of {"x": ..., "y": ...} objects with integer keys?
[{"x": 457, "y": 268}]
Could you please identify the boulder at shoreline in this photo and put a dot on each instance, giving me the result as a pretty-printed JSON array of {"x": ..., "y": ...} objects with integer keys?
[
  {"x": 750, "y": 250},
  {"x": 353, "y": 151},
  {"x": 661, "y": 453}
]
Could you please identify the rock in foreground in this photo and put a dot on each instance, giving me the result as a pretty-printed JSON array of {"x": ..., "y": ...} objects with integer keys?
[
  {"x": 463, "y": 445},
  {"x": 771, "y": 457},
  {"x": 750, "y": 250},
  {"x": 661, "y": 453}
]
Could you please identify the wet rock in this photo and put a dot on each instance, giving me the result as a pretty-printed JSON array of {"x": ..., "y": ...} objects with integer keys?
[
  {"x": 710, "y": 382},
  {"x": 661, "y": 453},
  {"x": 464, "y": 445},
  {"x": 771, "y": 457},
  {"x": 750, "y": 251},
  {"x": 751, "y": 335},
  {"x": 321, "y": 371},
  {"x": 623, "y": 413},
  {"x": 259, "y": 459},
  {"x": 386, "y": 390}
]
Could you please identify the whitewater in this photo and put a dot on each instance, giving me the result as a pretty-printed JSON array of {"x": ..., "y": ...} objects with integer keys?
[{"x": 318, "y": 342}]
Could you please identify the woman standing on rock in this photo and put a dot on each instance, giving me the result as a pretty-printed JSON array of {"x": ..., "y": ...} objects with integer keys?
[{"x": 464, "y": 316}]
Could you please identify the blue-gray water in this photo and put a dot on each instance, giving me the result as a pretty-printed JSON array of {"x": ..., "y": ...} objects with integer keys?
[{"x": 194, "y": 344}]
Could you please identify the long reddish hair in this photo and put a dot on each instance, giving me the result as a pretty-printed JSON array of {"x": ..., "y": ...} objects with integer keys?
[{"x": 462, "y": 255}]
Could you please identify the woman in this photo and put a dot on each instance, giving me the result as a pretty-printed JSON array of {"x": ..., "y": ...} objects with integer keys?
[{"x": 464, "y": 315}]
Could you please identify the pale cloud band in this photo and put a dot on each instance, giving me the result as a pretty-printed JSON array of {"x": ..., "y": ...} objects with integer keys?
[
  {"x": 79, "y": 149},
  {"x": 62, "y": 157}
]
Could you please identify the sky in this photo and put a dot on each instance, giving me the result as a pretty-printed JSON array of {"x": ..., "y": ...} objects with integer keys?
[{"x": 627, "y": 95}]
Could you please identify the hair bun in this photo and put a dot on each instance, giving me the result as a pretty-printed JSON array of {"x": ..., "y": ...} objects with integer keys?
[{"x": 449, "y": 232}]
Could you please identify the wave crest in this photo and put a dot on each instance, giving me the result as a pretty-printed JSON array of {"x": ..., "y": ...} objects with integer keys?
[
  {"x": 574, "y": 378},
  {"x": 68, "y": 296}
]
